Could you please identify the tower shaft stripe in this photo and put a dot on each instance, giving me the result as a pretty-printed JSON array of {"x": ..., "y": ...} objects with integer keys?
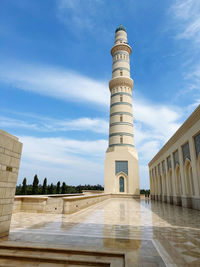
[
  {"x": 121, "y": 68},
  {"x": 123, "y": 60},
  {"x": 121, "y": 123},
  {"x": 121, "y": 113},
  {"x": 121, "y": 145},
  {"x": 121, "y": 93},
  {"x": 121, "y": 133},
  {"x": 121, "y": 103}
]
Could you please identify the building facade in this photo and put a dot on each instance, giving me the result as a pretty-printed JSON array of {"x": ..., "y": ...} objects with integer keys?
[
  {"x": 121, "y": 161},
  {"x": 175, "y": 170}
]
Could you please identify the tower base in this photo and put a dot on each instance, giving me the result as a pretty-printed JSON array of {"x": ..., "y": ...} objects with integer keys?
[{"x": 121, "y": 171}]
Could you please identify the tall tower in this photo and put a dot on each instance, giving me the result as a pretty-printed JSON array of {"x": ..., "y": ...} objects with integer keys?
[{"x": 121, "y": 161}]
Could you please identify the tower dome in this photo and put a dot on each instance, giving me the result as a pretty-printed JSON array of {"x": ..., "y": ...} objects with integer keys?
[{"x": 120, "y": 28}]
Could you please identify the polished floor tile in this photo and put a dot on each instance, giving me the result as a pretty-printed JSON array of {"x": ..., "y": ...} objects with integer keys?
[{"x": 151, "y": 232}]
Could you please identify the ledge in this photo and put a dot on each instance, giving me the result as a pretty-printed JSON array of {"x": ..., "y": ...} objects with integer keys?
[
  {"x": 84, "y": 197},
  {"x": 121, "y": 81},
  {"x": 121, "y": 47}
]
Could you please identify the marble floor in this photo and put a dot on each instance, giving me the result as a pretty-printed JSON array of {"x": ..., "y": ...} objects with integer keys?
[{"x": 151, "y": 233}]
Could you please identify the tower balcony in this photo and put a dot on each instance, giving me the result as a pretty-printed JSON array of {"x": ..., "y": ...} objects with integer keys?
[
  {"x": 121, "y": 47},
  {"x": 121, "y": 81}
]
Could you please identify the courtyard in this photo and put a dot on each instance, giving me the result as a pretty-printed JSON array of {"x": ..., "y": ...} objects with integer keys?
[{"x": 149, "y": 233}]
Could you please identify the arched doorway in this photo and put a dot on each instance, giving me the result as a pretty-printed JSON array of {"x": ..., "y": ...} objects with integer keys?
[
  {"x": 161, "y": 189},
  {"x": 170, "y": 184},
  {"x": 121, "y": 184},
  {"x": 189, "y": 179},
  {"x": 198, "y": 171},
  {"x": 178, "y": 181}
]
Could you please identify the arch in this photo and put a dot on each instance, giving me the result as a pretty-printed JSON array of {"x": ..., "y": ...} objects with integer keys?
[
  {"x": 154, "y": 186},
  {"x": 170, "y": 183},
  {"x": 178, "y": 182},
  {"x": 198, "y": 171},
  {"x": 160, "y": 182},
  {"x": 165, "y": 184},
  {"x": 189, "y": 178},
  {"x": 151, "y": 185},
  {"x": 121, "y": 184}
]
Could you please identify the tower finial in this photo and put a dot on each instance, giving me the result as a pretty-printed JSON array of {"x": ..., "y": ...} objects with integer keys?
[{"x": 120, "y": 28}]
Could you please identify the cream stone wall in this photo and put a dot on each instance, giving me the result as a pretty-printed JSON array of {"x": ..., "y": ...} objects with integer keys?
[
  {"x": 174, "y": 171},
  {"x": 63, "y": 204},
  {"x": 121, "y": 148},
  {"x": 10, "y": 154}
]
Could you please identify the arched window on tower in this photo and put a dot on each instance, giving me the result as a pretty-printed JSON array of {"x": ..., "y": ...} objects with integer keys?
[
  {"x": 121, "y": 73},
  {"x": 121, "y": 117},
  {"x": 121, "y": 98},
  {"x": 121, "y": 139}
]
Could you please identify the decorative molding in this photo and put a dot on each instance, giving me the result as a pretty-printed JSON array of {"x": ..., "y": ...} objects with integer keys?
[
  {"x": 121, "y": 113},
  {"x": 121, "y": 103},
  {"x": 121, "y": 123},
  {"x": 121, "y": 47},
  {"x": 121, "y": 93},
  {"x": 121, "y": 166},
  {"x": 123, "y": 60},
  {"x": 121, "y": 81},
  {"x": 197, "y": 144},
  {"x": 194, "y": 117},
  {"x": 121, "y": 133},
  {"x": 121, "y": 53},
  {"x": 186, "y": 152}
]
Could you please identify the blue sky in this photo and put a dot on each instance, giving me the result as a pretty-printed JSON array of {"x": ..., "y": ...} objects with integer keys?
[{"x": 55, "y": 65}]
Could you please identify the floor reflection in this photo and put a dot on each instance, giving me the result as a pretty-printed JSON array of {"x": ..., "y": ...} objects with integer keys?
[{"x": 133, "y": 225}]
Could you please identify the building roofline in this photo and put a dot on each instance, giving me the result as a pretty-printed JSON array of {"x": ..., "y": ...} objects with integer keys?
[{"x": 193, "y": 118}]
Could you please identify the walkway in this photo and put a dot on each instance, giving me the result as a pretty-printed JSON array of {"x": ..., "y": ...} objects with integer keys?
[{"x": 153, "y": 233}]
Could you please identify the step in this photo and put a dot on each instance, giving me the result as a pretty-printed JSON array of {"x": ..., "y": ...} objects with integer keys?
[{"x": 19, "y": 255}]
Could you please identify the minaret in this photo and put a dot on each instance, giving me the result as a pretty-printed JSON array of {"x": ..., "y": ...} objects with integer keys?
[{"x": 121, "y": 161}]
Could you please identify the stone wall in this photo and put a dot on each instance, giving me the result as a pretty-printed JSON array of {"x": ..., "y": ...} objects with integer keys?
[
  {"x": 10, "y": 154},
  {"x": 75, "y": 204},
  {"x": 60, "y": 205}
]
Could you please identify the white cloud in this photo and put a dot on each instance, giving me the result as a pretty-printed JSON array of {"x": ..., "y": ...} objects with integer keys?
[
  {"x": 6, "y": 122},
  {"x": 186, "y": 18},
  {"x": 45, "y": 124},
  {"x": 76, "y": 161},
  {"x": 81, "y": 159},
  {"x": 54, "y": 82},
  {"x": 154, "y": 124},
  {"x": 187, "y": 15},
  {"x": 81, "y": 14},
  {"x": 160, "y": 120}
]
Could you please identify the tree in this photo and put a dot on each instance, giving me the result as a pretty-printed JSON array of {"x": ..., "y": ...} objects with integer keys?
[
  {"x": 35, "y": 185},
  {"x": 63, "y": 189},
  {"x": 44, "y": 187},
  {"x": 58, "y": 188},
  {"x": 24, "y": 187},
  {"x": 51, "y": 189}
]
